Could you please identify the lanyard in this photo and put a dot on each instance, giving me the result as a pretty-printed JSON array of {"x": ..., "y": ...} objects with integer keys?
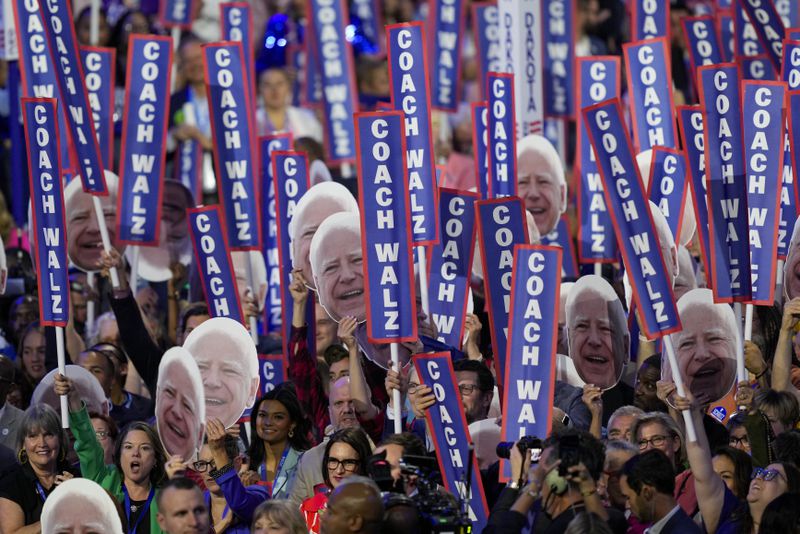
[
  {"x": 145, "y": 508},
  {"x": 40, "y": 491},
  {"x": 263, "y": 468}
]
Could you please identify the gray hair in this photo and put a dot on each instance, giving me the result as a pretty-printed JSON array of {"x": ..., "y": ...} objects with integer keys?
[
  {"x": 664, "y": 420},
  {"x": 625, "y": 411},
  {"x": 283, "y": 512},
  {"x": 42, "y": 417},
  {"x": 620, "y": 445}
]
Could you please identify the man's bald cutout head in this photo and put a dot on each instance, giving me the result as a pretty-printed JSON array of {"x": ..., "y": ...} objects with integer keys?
[{"x": 354, "y": 506}]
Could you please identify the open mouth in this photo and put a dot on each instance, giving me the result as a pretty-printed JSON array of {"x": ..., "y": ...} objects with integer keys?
[
  {"x": 351, "y": 294},
  {"x": 213, "y": 401},
  {"x": 177, "y": 431},
  {"x": 136, "y": 467}
]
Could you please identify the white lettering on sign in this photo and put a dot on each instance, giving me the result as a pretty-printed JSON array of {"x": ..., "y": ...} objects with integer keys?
[
  {"x": 445, "y": 291},
  {"x": 761, "y": 15},
  {"x": 787, "y": 188},
  {"x": 92, "y": 65},
  {"x": 650, "y": 77},
  {"x": 703, "y": 46},
  {"x": 211, "y": 269},
  {"x": 558, "y": 52},
  {"x": 500, "y": 138},
  {"x": 235, "y": 24}
]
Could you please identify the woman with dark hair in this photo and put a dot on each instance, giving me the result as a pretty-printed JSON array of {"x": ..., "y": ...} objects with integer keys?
[
  {"x": 42, "y": 452},
  {"x": 735, "y": 468},
  {"x": 280, "y": 433},
  {"x": 782, "y": 515},
  {"x": 31, "y": 352},
  {"x": 138, "y": 468},
  {"x": 346, "y": 454},
  {"x": 83, "y": 28}
]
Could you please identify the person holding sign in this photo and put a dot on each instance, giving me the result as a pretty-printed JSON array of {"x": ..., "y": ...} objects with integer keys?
[
  {"x": 180, "y": 406},
  {"x": 541, "y": 182},
  {"x": 80, "y": 505}
]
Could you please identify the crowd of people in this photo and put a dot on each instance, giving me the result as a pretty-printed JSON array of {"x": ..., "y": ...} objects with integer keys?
[{"x": 172, "y": 430}]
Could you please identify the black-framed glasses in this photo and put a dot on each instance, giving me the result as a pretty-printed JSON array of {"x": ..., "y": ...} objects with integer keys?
[
  {"x": 735, "y": 442},
  {"x": 201, "y": 466},
  {"x": 467, "y": 389},
  {"x": 766, "y": 474},
  {"x": 655, "y": 441},
  {"x": 349, "y": 465}
]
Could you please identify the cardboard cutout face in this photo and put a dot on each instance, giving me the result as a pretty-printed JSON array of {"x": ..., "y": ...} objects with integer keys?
[
  {"x": 705, "y": 348},
  {"x": 791, "y": 271},
  {"x": 540, "y": 181},
  {"x": 180, "y": 404},
  {"x": 597, "y": 331},
  {"x": 85, "y": 383},
  {"x": 80, "y": 506},
  {"x": 83, "y": 235},
  {"x": 228, "y": 364}
]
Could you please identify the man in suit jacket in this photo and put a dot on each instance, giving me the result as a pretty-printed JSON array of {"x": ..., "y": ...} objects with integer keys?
[
  {"x": 648, "y": 482},
  {"x": 9, "y": 415}
]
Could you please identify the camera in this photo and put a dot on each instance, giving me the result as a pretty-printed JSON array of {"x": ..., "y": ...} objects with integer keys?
[{"x": 528, "y": 443}]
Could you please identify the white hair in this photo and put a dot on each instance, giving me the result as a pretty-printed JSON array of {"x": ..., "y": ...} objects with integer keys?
[
  {"x": 85, "y": 383},
  {"x": 597, "y": 285},
  {"x": 341, "y": 221},
  {"x": 542, "y": 146},
  {"x": 704, "y": 298},
  {"x": 74, "y": 186},
  {"x": 331, "y": 193},
  {"x": 81, "y": 495},
  {"x": 93, "y": 334},
  {"x": 181, "y": 356},
  {"x": 566, "y": 289},
  {"x": 233, "y": 331},
  {"x": 686, "y": 267},
  {"x": 644, "y": 160},
  {"x": 795, "y": 233},
  {"x": 257, "y": 264}
]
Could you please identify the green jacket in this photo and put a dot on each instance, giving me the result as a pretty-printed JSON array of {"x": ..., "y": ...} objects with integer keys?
[{"x": 91, "y": 456}]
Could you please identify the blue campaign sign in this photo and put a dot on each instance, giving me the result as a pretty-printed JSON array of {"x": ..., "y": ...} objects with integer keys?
[
  {"x": 291, "y": 181},
  {"x": 311, "y": 92},
  {"x": 448, "y": 27},
  {"x": 726, "y": 182},
  {"x": 60, "y": 31},
  {"x": 790, "y": 67},
  {"x": 789, "y": 206},
  {"x": 667, "y": 185},
  {"x": 408, "y": 80},
  {"x": 724, "y": 23},
  {"x": 47, "y": 209},
  {"x": 650, "y": 84},
  {"x": 480, "y": 140},
  {"x": 99, "y": 66},
  {"x": 562, "y": 237},
  {"x": 758, "y": 68},
  {"x": 237, "y": 26},
  {"x": 793, "y": 34},
  {"x": 768, "y": 26},
  {"x": 213, "y": 258},
  {"x": 369, "y": 13},
  {"x": 188, "y": 168},
  {"x": 690, "y": 121},
  {"x": 763, "y": 106},
  {"x": 385, "y": 227},
  {"x": 633, "y": 222},
  {"x": 272, "y": 370},
  {"x": 176, "y": 13},
  {"x": 37, "y": 69},
  {"x": 559, "y": 58},
  {"x": 335, "y": 55},
  {"x": 532, "y": 335},
  {"x": 451, "y": 264},
  {"x": 794, "y": 135},
  {"x": 487, "y": 41},
  {"x": 234, "y": 142},
  {"x": 450, "y": 435},
  {"x": 269, "y": 228},
  {"x": 502, "y": 141},
  {"x": 746, "y": 42},
  {"x": 144, "y": 139},
  {"x": 649, "y": 19},
  {"x": 598, "y": 80},
  {"x": 502, "y": 223},
  {"x": 701, "y": 35}
]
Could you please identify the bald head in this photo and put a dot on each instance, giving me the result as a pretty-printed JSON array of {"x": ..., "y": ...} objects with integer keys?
[{"x": 354, "y": 506}]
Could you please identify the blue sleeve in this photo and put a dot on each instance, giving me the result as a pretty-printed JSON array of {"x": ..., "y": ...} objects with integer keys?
[
  {"x": 730, "y": 504},
  {"x": 242, "y": 500}
]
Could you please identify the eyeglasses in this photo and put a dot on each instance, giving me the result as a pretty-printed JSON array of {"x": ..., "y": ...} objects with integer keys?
[
  {"x": 467, "y": 389},
  {"x": 349, "y": 465},
  {"x": 201, "y": 466},
  {"x": 655, "y": 441},
  {"x": 101, "y": 434},
  {"x": 734, "y": 441},
  {"x": 766, "y": 474}
]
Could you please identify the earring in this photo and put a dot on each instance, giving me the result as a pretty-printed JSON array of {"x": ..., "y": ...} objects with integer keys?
[
  {"x": 22, "y": 456},
  {"x": 63, "y": 455},
  {"x": 291, "y": 433}
]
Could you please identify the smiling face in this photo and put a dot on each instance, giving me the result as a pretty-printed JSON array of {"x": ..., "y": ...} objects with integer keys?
[
  {"x": 174, "y": 203},
  {"x": 644, "y": 395},
  {"x": 33, "y": 352},
  {"x": 305, "y": 224},
  {"x": 42, "y": 447},
  {"x": 762, "y": 492},
  {"x": 596, "y": 343},
  {"x": 137, "y": 456},
  {"x": 539, "y": 185},
  {"x": 273, "y": 422},
  {"x": 343, "y": 461},
  {"x": 339, "y": 274},
  {"x": 179, "y": 425},
  {"x": 84, "y": 244}
]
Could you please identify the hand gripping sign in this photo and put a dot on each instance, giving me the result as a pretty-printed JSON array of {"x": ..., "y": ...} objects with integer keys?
[
  {"x": 502, "y": 145},
  {"x": 531, "y": 355},
  {"x": 502, "y": 223},
  {"x": 291, "y": 181},
  {"x": 701, "y": 34},
  {"x": 47, "y": 209},
  {"x": 144, "y": 139},
  {"x": 385, "y": 227},
  {"x": 451, "y": 264},
  {"x": 768, "y": 26},
  {"x": 480, "y": 134},
  {"x": 234, "y": 142},
  {"x": 100, "y": 65},
  {"x": 559, "y": 58},
  {"x": 408, "y": 79},
  {"x": 598, "y": 80},
  {"x": 448, "y": 27},
  {"x": 450, "y": 435},
  {"x": 726, "y": 182},
  {"x": 60, "y": 31},
  {"x": 667, "y": 185},
  {"x": 237, "y": 25},
  {"x": 763, "y": 106},
  {"x": 335, "y": 57},
  {"x": 37, "y": 68},
  {"x": 485, "y": 31},
  {"x": 214, "y": 262},
  {"x": 649, "y": 19},
  {"x": 650, "y": 85},
  {"x": 176, "y": 13},
  {"x": 633, "y": 224},
  {"x": 561, "y": 237},
  {"x": 269, "y": 229},
  {"x": 690, "y": 121}
]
